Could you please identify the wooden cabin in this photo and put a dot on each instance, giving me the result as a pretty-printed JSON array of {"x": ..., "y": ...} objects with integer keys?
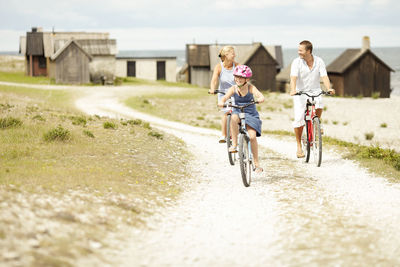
[
  {"x": 202, "y": 58},
  {"x": 40, "y": 47},
  {"x": 70, "y": 64},
  {"x": 359, "y": 72}
]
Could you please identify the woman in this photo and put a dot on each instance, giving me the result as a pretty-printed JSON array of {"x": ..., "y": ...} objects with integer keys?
[{"x": 223, "y": 75}]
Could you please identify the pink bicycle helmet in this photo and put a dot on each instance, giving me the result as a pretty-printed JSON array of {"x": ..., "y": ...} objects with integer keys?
[{"x": 242, "y": 71}]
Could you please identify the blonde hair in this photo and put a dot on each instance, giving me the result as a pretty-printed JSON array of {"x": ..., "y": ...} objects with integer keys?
[{"x": 225, "y": 50}]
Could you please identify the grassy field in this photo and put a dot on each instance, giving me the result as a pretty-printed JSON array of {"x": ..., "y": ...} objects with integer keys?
[
  {"x": 195, "y": 107},
  {"x": 69, "y": 182}
]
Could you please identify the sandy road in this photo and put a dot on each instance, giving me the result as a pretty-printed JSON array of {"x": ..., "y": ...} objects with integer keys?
[{"x": 294, "y": 214}]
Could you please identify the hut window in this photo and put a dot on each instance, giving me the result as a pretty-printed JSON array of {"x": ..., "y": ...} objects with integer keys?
[{"x": 42, "y": 62}]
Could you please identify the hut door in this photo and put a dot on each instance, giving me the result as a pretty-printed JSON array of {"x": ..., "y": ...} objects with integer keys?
[
  {"x": 131, "y": 69},
  {"x": 160, "y": 70}
]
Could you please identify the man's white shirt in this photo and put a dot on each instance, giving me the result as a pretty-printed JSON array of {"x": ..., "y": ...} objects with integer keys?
[{"x": 308, "y": 80}]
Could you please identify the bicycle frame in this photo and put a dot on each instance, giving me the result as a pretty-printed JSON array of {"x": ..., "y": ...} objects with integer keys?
[
  {"x": 243, "y": 130},
  {"x": 309, "y": 115}
]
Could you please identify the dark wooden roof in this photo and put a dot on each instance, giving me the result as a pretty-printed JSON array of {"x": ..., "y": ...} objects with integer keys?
[
  {"x": 350, "y": 57},
  {"x": 198, "y": 55},
  {"x": 34, "y": 44}
]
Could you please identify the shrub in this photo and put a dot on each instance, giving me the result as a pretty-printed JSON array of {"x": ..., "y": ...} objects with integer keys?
[
  {"x": 334, "y": 122},
  {"x": 369, "y": 136},
  {"x": 88, "y": 133},
  {"x": 345, "y": 123},
  {"x": 135, "y": 122},
  {"x": 57, "y": 134},
  {"x": 118, "y": 81},
  {"x": 200, "y": 118},
  {"x": 288, "y": 105},
  {"x": 78, "y": 120},
  {"x": 109, "y": 125},
  {"x": 375, "y": 95},
  {"x": 383, "y": 125},
  {"x": 38, "y": 117},
  {"x": 147, "y": 125},
  {"x": 156, "y": 135},
  {"x": 146, "y": 101},
  {"x": 9, "y": 122}
]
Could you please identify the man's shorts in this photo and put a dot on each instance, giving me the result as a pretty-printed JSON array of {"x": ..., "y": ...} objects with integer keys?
[{"x": 299, "y": 106}]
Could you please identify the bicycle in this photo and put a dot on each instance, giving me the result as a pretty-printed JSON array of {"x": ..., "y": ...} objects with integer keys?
[
  {"x": 245, "y": 153},
  {"x": 231, "y": 156},
  {"x": 311, "y": 138}
]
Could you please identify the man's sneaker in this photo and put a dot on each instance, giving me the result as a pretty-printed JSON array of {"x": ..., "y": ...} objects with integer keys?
[{"x": 222, "y": 139}]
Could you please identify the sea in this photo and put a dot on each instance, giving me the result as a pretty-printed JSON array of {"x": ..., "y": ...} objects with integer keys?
[{"x": 389, "y": 55}]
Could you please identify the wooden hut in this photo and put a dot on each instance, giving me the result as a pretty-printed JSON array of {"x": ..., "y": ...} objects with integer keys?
[
  {"x": 202, "y": 58},
  {"x": 39, "y": 47},
  {"x": 359, "y": 72},
  {"x": 70, "y": 64}
]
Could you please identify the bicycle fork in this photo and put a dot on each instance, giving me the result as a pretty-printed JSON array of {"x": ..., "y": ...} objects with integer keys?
[{"x": 247, "y": 138}]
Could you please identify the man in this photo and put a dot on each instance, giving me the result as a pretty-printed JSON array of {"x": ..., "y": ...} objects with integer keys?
[{"x": 305, "y": 74}]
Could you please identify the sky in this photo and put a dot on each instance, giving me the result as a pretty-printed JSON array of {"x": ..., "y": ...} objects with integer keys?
[{"x": 171, "y": 24}]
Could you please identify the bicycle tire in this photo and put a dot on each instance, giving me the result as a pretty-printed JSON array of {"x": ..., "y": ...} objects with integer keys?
[
  {"x": 317, "y": 142},
  {"x": 244, "y": 158},
  {"x": 308, "y": 145},
  {"x": 231, "y": 156}
]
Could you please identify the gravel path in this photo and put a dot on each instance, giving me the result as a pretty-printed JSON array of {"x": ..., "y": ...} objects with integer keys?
[{"x": 294, "y": 214}]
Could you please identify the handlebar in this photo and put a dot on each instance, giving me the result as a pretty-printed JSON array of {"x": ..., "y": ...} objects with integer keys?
[
  {"x": 321, "y": 93},
  {"x": 242, "y": 107},
  {"x": 217, "y": 92}
]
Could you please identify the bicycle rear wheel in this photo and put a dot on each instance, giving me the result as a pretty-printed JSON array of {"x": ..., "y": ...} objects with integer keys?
[
  {"x": 231, "y": 156},
  {"x": 317, "y": 142},
  {"x": 244, "y": 158},
  {"x": 307, "y": 139}
]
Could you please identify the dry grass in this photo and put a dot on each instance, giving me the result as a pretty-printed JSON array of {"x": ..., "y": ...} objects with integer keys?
[{"x": 64, "y": 199}]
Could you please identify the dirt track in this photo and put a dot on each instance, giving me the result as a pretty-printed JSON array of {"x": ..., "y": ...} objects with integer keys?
[{"x": 293, "y": 214}]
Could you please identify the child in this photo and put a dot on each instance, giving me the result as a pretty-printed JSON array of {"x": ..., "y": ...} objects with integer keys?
[{"x": 244, "y": 92}]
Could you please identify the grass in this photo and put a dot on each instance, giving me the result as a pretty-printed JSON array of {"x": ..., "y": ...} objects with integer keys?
[
  {"x": 377, "y": 159},
  {"x": 20, "y": 77},
  {"x": 78, "y": 179}
]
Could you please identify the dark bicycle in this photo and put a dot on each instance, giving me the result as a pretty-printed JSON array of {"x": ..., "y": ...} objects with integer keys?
[
  {"x": 231, "y": 156},
  {"x": 245, "y": 154},
  {"x": 311, "y": 138}
]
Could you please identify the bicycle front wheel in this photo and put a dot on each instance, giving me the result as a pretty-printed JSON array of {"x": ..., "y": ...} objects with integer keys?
[
  {"x": 244, "y": 158},
  {"x": 231, "y": 156},
  {"x": 317, "y": 142}
]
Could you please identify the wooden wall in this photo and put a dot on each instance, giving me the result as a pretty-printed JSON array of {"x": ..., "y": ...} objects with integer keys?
[
  {"x": 72, "y": 66},
  {"x": 264, "y": 70},
  {"x": 366, "y": 77}
]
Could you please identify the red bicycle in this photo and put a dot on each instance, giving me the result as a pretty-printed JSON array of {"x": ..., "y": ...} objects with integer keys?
[{"x": 311, "y": 137}]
